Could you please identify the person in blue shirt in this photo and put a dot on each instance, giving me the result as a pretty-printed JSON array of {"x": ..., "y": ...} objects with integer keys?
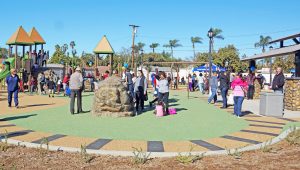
[{"x": 12, "y": 82}]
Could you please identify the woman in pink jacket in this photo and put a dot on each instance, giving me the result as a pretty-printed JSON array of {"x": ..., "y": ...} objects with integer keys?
[{"x": 238, "y": 86}]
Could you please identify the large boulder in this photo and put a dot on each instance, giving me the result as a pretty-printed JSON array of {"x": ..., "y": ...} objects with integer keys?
[{"x": 112, "y": 99}]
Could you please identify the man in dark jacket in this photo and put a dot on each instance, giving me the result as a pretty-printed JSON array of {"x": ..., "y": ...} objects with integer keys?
[
  {"x": 278, "y": 81},
  {"x": 224, "y": 86},
  {"x": 12, "y": 82}
]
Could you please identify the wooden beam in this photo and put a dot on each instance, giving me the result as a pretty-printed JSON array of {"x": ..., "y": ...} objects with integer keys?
[
  {"x": 281, "y": 44},
  {"x": 296, "y": 41}
]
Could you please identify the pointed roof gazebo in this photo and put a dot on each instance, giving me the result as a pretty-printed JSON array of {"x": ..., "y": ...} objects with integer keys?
[
  {"x": 104, "y": 47},
  {"x": 19, "y": 38},
  {"x": 36, "y": 38}
]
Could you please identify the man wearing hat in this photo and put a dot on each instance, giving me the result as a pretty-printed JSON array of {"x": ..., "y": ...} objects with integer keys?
[
  {"x": 76, "y": 84},
  {"x": 12, "y": 82}
]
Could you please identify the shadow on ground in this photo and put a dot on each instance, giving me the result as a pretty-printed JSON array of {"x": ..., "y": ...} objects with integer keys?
[{"x": 17, "y": 117}]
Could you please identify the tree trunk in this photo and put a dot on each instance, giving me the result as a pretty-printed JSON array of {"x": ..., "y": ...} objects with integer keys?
[{"x": 194, "y": 52}]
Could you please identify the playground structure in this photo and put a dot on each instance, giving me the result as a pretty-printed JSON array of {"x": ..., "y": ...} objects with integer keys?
[
  {"x": 103, "y": 47},
  {"x": 22, "y": 63}
]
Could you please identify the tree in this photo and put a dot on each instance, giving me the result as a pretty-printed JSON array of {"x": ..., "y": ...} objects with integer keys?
[
  {"x": 263, "y": 42},
  {"x": 195, "y": 40},
  {"x": 64, "y": 48},
  {"x": 3, "y": 53},
  {"x": 172, "y": 44},
  {"x": 153, "y": 46},
  {"x": 72, "y": 45},
  {"x": 217, "y": 34},
  {"x": 230, "y": 55},
  {"x": 59, "y": 57},
  {"x": 285, "y": 62}
]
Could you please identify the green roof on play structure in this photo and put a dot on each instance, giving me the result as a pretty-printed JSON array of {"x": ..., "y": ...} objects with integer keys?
[{"x": 104, "y": 47}]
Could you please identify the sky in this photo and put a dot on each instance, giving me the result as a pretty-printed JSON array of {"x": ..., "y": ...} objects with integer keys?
[{"x": 86, "y": 21}]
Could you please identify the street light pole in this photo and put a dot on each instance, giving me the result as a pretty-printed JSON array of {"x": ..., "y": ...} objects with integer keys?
[
  {"x": 134, "y": 29},
  {"x": 210, "y": 35}
]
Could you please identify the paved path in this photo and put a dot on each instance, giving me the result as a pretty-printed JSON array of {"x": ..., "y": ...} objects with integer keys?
[{"x": 260, "y": 129}]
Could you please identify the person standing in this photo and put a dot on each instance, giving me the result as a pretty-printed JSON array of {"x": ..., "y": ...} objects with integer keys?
[
  {"x": 213, "y": 84},
  {"x": 12, "y": 82},
  {"x": 250, "y": 80},
  {"x": 129, "y": 82},
  {"x": 58, "y": 85},
  {"x": 40, "y": 58},
  {"x": 163, "y": 91},
  {"x": 33, "y": 85},
  {"x": 239, "y": 91},
  {"x": 140, "y": 90},
  {"x": 201, "y": 83},
  {"x": 278, "y": 81},
  {"x": 51, "y": 85},
  {"x": 190, "y": 81},
  {"x": 45, "y": 58},
  {"x": 224, "y": 86},
  {"x": 155, "y": 93},
  {"x": 66, "y": 80},
  {"x": 42, "y": 82},
  {"x": 76, "y": 82}
]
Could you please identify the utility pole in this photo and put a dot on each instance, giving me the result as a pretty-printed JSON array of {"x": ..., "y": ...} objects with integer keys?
[{"x": 134, "y": 29}]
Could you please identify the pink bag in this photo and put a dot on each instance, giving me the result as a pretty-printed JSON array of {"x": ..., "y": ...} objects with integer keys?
[
  {"x": 159, "y": 110},
  {"x": 172, "y": 111}
]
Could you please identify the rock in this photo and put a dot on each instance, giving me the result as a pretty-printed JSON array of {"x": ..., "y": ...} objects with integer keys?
[{"x": 112, "y": 99}]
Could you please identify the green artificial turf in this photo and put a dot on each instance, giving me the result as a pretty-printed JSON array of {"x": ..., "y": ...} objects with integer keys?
[{"x": 195, "y": 120}]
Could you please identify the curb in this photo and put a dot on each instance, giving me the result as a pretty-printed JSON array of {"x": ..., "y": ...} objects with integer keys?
[{"x": 153, "y": 154}]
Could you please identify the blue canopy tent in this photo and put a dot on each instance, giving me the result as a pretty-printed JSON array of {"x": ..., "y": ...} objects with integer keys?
[
  {"x": 205, "y": 68},
  {"x": 292, "y": 70}
]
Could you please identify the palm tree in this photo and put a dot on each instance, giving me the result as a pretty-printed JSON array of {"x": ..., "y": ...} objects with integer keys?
[
  {"x": 172, "y": 44},
  {"x": 64, "y": 48},
  {"x": 263, "y": 42},
  {"x": 153, "y": 46},
  {"x": 72, "y": 45},
  {"x": 195, "y": 40},
  {"x": 217, "y": 34},
  {"x": 141, "y": 46}
]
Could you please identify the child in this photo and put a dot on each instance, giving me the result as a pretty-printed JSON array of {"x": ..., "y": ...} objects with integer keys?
[
  {"x": 58, "y": 85},
  {"x": 51, "y": 85},
  {"x": 33, "y": 85},
  {"x": 68, "y": 91}
]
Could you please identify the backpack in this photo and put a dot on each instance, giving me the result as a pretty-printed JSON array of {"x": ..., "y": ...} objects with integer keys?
[{"x": 68, "y": 91}]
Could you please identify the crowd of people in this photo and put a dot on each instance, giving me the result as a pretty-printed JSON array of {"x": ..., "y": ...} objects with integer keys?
[
  {"x": 72, "y": 85},
  {"x": 137, "y": 88},
  {"x": 242, "y": 87}
]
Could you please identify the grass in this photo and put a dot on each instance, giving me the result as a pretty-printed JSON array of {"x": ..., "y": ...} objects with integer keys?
[{"x": 195, "y": 120}]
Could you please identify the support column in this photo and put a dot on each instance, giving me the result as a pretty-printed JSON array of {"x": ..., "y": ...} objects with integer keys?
[
  {"x": 111, "y": 64},
  {"x": 16, "y": 55},
  {"x": 23, "y": 57},
  {"x": 9, "y": 51},
  {"x": 30, "y": 66},
  {"x": 271, "y": 65},
  {"x": 177, "y": 79},
  {"x": 297, "y": 64}
]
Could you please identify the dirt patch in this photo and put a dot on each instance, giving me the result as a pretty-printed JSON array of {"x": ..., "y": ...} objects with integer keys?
[{"x": 279, "y": 156}]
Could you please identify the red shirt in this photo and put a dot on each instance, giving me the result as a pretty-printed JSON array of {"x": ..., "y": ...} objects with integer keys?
[
  {"x": 66, "y": 79},
  {"x": 105, "y": 76}
]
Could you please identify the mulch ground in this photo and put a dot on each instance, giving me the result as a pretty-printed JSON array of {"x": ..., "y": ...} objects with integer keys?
[{"x": 279, "y": 156}]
